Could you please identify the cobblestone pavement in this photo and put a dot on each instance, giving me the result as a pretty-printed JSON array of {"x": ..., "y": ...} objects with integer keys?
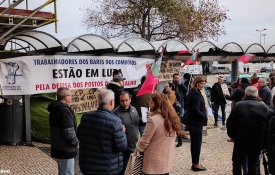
[
  {"x": 35, "y": 160},
  {"x": 25, "y": 160}
]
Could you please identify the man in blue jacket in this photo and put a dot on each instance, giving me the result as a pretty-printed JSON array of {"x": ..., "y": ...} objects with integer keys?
[
  {"x": 63, "y": 132},
  {"x": 102, "y": 139}
]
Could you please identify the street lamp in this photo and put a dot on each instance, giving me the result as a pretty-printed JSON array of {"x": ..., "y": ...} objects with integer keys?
[
  {"x": 261, "y": 34},
  {"x": 264, "y": 37}
]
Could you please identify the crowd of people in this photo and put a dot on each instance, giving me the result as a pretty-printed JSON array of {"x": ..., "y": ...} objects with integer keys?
[{"x": 108, "y": 136}]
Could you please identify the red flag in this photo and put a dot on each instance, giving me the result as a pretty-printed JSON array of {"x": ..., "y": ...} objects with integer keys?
[
  {"x": 149, "y": 84},
  {"x": 245, "y": 58},
  {"x": 188, "y": 61},
  {"x": 183, "y": 52}
]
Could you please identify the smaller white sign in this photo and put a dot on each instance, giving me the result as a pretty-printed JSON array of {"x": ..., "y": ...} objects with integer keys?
[
  {"x": 192, "y": 69},
  {"x": 144, "y": 111}
]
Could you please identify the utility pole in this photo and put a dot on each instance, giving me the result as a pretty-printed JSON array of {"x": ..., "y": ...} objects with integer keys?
[
  {"x": 261, "y": 34},
  {"x": 264, "y": 35}
]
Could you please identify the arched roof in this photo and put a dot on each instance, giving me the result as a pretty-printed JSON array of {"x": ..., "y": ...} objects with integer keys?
[
  {"x": 172, "y": 45},
  {"x": 255, "y": 48},
  {"x": 204, "y": 46},
  {"x": 36, "y": 40},
  {"x": 135, "y": 45},
  {"x": 271, "y": 49},
  {"x": 92, "y": 42},
  {"x": 232, "y": 47},
  {"x": 89, "y": 42}
]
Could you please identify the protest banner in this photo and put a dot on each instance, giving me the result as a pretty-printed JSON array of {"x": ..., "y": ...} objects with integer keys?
[
  {"x": 46, "y": 73},
  {"x": 84, "y": 100},
  {"x": 168, "y": 68}
]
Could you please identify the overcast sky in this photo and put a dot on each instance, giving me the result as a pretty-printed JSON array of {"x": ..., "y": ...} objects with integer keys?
[{"x": 245, "y": 17}]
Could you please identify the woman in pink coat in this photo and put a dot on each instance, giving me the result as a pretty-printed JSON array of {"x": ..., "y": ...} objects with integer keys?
[{"x": 158, "y": 139}]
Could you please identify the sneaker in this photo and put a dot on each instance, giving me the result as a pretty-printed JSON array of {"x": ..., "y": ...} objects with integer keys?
[{"x": 179, "y": 144}]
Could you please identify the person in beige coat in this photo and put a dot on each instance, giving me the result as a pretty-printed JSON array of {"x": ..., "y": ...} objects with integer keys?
[{"x": 158, "y": 139}]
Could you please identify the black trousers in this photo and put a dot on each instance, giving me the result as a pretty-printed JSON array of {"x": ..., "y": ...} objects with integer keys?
[
  {"x": 196, "y": 140},
  {"x": 216, "y": 110},
  {"x": 242, "y": 154}
]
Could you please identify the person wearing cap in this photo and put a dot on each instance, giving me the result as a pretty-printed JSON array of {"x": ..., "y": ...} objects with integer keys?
[{"x": 117, "y": 85}]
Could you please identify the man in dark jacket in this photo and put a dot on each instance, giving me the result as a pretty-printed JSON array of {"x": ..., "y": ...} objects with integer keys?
[
  {"x": 246, "y": 125},
  {"x": 270, "y": 138},
  {"x": 130, "y": 119},
  {"x": 63, "y": 132},
  {"x": 101, "y": 139},
  {"x": 218, "y": 100},
  {"x": 264, "y": 92},
  {"x": 180, "y": 90}
]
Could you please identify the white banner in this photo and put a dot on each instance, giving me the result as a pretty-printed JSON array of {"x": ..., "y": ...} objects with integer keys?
[
  {"x": 192, "y": 69},
  {"x": 44, "y": 74}
]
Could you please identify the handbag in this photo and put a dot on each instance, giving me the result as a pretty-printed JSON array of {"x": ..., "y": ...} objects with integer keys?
[{"x": 134, "y": 166}]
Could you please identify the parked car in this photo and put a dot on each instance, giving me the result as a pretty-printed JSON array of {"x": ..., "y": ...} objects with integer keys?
[
  {"x": 248, "y": 76},
  {"x": 220, "y": 70},
  {"x": 266, "y": 69}
]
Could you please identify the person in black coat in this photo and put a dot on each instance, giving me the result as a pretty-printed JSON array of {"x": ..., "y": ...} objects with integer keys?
[
  {"x": 180, "y": 90},
  {"x": 63, "y": 131},
  {"x": 116, "y": 85},
  {"x": 270, "y": 138},
  {"x": 218, "y": 100},
  {"x": 264, "y": 92},
  {"x": 239, "y": 92},
  {"x": 196, "y": 118},
  {"x": 246, "y": 126},
  {"x": 101, "y": 139}
]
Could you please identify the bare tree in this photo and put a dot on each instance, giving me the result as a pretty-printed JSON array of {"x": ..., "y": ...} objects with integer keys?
[{"x": 156, "y": 19}]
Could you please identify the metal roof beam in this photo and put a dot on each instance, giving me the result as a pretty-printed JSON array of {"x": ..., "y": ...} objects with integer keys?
[
  {"x": 2, "y": 2},
  {"x": 11, "y": 7},
  {"x": 24, "y": 20}
]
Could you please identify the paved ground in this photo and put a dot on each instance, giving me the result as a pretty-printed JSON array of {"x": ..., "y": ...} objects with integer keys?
[
  {"x": 215, "y": 156},
  {"x": 34, "y": 160},
  {"x": 25, "y": 160}
]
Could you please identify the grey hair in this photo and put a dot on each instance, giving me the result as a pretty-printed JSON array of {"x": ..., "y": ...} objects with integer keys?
[
  {"x": 105, "y": 96},
  {"x": 251, "y": 91},
  {"x": 263, "y": 80},
  {"x": 62, "y": 92}
]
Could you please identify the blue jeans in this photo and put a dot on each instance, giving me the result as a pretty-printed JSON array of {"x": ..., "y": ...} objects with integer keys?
[
  {"x": 216, "y": 110},
  {"x": 65, "y": 166}
]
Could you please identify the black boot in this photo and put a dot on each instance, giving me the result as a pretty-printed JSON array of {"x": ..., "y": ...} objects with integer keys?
[{"x": 179, "y": 141}]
